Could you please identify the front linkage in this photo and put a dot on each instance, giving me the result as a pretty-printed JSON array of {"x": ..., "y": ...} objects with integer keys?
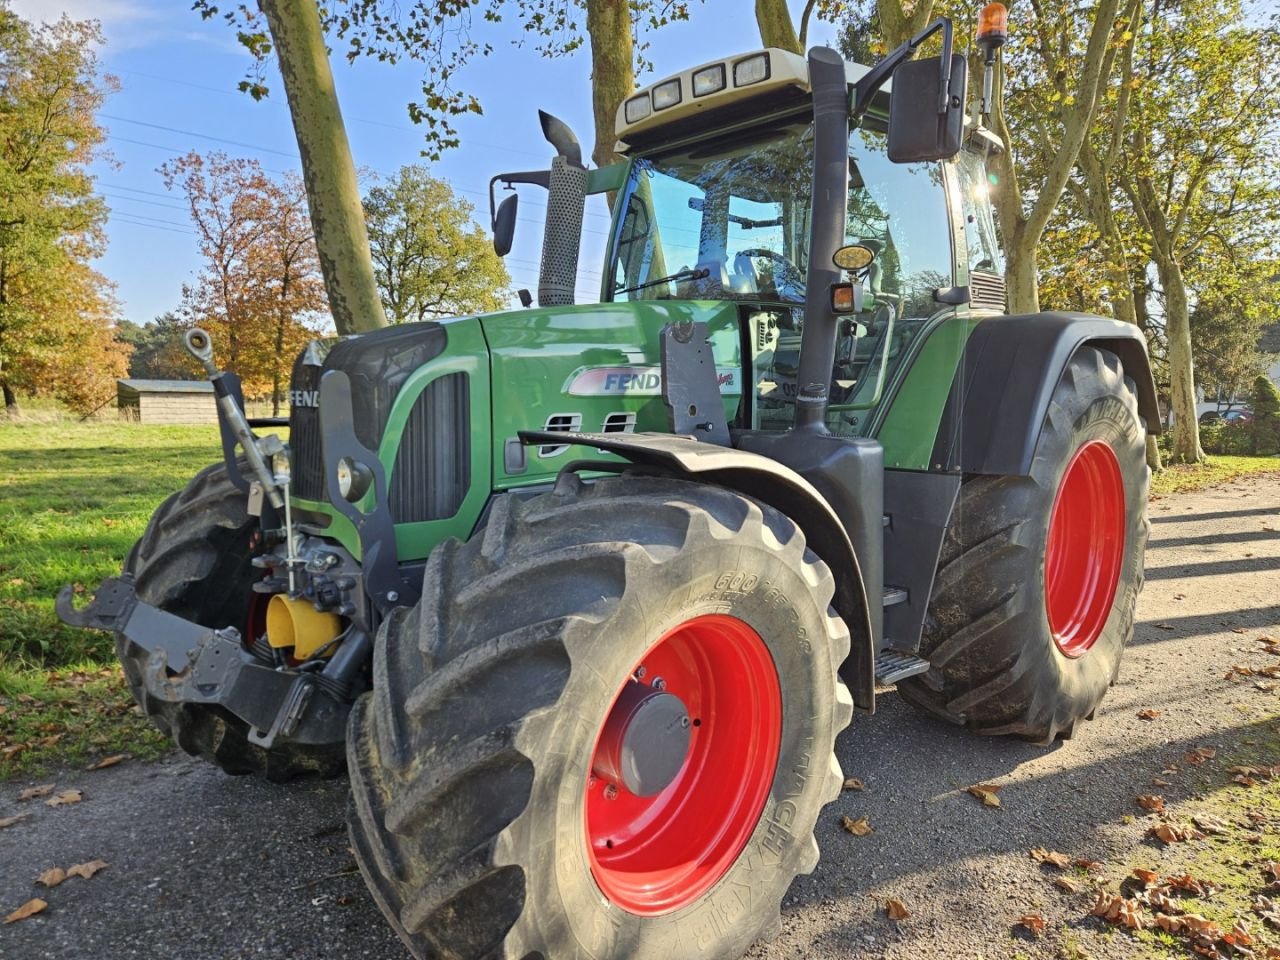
[{"x": 295, "y": 678}]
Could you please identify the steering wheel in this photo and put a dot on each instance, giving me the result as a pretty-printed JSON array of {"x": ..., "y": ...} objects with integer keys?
[{"x": 786, "y": 278}]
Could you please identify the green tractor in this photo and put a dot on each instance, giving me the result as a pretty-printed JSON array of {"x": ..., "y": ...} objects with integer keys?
[{"x": 581, "y": 595}]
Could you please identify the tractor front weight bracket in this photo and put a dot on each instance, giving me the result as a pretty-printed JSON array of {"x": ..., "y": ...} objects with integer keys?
[{"x": 183, "y": 662}]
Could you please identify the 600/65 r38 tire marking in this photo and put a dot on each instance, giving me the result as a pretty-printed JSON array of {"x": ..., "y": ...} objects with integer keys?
[{"x": 474, "y": 818}]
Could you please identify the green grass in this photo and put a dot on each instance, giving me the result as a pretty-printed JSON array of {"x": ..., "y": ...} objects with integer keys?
[
  {"x": 73, "y": 499},
  {"x": 1184, "y": 478},
  {"x": 75, "y": 716}
]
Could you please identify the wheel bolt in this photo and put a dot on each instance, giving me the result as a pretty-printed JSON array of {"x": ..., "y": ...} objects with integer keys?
[
  {"x": 659, "y": 683},
  {"x": 610, "y": 792},
  {"x": 640, "y": 672}
]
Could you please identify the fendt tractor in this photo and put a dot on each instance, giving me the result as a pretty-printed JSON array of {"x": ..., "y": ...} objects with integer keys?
[{"x": 581, "y": 595}]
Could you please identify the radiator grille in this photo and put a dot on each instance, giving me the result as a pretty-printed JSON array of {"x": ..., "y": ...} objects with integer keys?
[
  {"x": 432, "y": 472},
  {"x": 307, "y": 477}
]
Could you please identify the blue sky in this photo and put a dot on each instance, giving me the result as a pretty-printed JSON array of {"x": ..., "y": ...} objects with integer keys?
[{"x": 178, "y": 76}]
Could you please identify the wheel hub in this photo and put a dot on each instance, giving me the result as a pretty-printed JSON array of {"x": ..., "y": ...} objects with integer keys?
[{"x": 645, "y": 740}]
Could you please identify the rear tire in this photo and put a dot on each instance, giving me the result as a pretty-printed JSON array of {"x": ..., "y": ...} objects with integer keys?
[
  {"x": 1018, "y": 644},
  {"x": 194, "y": 561},
  {"x": 472, "y": 816}
]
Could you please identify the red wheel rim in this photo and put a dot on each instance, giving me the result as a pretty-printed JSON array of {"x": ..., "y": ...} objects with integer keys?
[
  {"x": 654, "y": 855},
  {"x": 1085, "y": 548}
]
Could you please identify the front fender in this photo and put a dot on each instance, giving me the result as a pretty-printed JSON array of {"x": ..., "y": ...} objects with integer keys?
[{"x": 783, "y": 489}]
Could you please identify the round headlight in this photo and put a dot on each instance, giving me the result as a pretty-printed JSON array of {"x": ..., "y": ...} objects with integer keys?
[
  {"x": 354, "y": 479},
  {"x": 345, "y": 478}
]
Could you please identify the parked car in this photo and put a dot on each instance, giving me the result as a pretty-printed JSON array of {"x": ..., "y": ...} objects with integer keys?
[{"x": 1229, "y": 417}]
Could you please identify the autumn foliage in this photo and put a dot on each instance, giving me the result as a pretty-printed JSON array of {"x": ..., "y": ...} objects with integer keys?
[{"x": 260, "y": 291}]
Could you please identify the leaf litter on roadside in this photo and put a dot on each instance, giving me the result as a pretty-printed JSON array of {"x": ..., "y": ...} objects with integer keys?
[
  {"x": 86, "y": 870},
  {"x": 64, "y": 797},
  {"x": 105, "y": 762},
  {"x": 52, "y": 877},
  {"x": 859, "y": 828},
  {"x": 33, "y": 793},
  {"x": 1051, "y": 857},
  {"x": 28, "y": 909},
  {"x": 896, "y": 909},
  {"x": 1033, "y": 922},
  {"x": 1151, "y": 801},
  {"x": 986, "y": 792},
  {"x": 10, "y": 821},
  {"x": 853, "y": 783}
]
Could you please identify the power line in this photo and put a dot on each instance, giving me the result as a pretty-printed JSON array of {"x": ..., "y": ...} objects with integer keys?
[
  {"x": 150, "y": 203},
  {"x": 201, "y": 136}
]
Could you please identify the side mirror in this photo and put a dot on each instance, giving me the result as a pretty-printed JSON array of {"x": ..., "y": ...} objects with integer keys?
[
  {"x": 917, "y": 131},
  {"x": 504, "y": 224}
]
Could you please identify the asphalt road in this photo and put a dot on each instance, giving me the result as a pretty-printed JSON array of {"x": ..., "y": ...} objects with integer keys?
[{"x": 207, "y": 866}]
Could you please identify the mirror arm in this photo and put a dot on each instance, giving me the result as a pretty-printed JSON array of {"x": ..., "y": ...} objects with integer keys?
[
  {"x": 875, "y": 78},
  {"x": 539, "y": 178}
]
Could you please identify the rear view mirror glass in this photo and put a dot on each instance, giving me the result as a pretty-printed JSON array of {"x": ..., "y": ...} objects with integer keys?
[
  {"x": 504, "y": 225},
  {"x": 917, "y": 131}
]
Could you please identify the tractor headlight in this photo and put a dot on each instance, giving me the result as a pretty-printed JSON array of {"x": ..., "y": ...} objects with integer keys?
[
  {"x": 353, "y": 479},
  {"x": 708, "y": 80},
  {"x": 751, "y": 70},
  {"x": 638, "y": 108},
  {"x": 666, "y": 94}
]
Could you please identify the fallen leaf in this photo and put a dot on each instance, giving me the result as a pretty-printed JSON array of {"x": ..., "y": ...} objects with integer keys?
[
  {"x": 32, "y": 793},
  {"x": 86, "y": 870},
  {"x": 65, "y": 797},
  {"x": 105, "y": 762},
  {"x": 1268, "y": 910},
  {"x": 1175, "y": 833},
  {"x": 1119, "y": 910},
  {"x": 1158, "y": 782},
  {"x": 1237, "y": 671},
  {"x": 1084, "y": 864},
  {"x": 859, "y": 827},
  {"x": 1201, "y": 754},
  {"x": 1148, "y": 877},
  {"x": 1264, "y": 687},
  {"x": 1033, "y": 922},
  {"x": 1238, "y": 630},
  {"x": 1152, "y": 802},
  {"x": 28, "y": 909},
  {"x": 986, "y": 792},
  {"x": 1211, "y": 825},
  {"x": 1051, "y": 857},
  {"x": 10, "y": 821},
  {"x": 853, "y": 783},
  {"x": 1273, "y": 868},
  {"x": 896, "y": 910},
  {"x": 52, "y": 877},
  {"x": 1165, "y": 626},
  {"x": 1067, "y": 884},
  {"x": 1243, "y": 780},
  {"x": 1148, "y": 714}
]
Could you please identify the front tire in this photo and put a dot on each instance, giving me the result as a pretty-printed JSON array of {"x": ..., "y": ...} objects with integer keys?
[
  {"x": 480, "y": 817},
  {"x": 1033, "y": 601}
]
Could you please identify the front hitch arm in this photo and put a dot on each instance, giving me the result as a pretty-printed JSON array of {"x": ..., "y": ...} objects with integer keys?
[{"x": 183, "y": 662}]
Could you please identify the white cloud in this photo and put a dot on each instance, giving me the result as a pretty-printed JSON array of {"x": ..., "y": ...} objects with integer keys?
[{"x": 108, "y": 12}]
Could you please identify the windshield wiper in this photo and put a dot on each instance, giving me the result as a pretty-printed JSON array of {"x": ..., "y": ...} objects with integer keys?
[{"x": 680, "y": 275}]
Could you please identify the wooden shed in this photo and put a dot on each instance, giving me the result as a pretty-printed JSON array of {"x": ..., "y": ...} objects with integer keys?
[{"x": 167, "y": 401}]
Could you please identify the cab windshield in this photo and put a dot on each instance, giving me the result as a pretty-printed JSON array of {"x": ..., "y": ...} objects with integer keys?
[{"x": 729, "y": 219}]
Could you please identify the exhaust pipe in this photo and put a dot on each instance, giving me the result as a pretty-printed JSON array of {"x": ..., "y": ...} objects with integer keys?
[
  {"x": 829, "y": 199},
  {"x": 566, "y": 202}
]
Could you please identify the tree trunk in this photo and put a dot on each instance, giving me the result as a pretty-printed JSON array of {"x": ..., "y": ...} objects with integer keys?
[
  {"x": 333, "y": 195},
  {"x": 612, "y": 71},
  {"x": 1182, "y": 387},
  {"x": 776, "y": 28},
  {"x": 1021, "y": 285},
  {"x": 10, "y": 399},
  {"x": 897, "y": 26}
]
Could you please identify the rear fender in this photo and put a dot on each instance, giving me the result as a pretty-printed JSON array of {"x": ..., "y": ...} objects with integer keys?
[
  {"x": 783, "y": 489},
  {"x": 1011, "y": 366}
]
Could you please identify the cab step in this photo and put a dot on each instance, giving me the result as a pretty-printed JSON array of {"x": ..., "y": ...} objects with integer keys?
[
  {"x": 894, "y": 665},
  {"x": 894, "y": 596}
]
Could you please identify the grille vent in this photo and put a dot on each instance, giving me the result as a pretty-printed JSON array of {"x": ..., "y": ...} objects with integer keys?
[
  {"x": 562, "y": 423},
  {"x": 986, "y": 290},
  {"x": 619, "y": 423},
  {"x": 432, "y": 471}
]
